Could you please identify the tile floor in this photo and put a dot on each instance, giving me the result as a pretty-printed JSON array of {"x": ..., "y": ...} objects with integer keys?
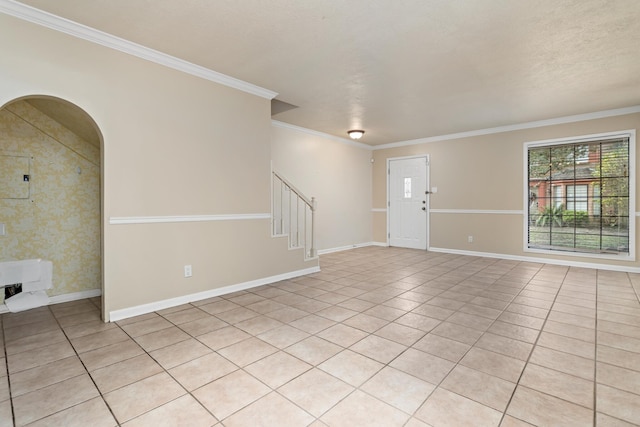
[{"x": 382, "y": 336}]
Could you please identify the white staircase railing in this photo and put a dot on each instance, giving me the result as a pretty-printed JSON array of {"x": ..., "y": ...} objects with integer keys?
[{"x": 293, "y": 215}]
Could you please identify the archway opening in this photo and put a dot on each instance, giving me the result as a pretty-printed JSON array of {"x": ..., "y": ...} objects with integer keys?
[{"x": 51, "y": 205}]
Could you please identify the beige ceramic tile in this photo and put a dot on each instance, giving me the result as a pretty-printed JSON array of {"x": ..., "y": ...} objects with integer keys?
[
  {"x": 223, "y": 337},
  {"x": 516, "y": 332},
  {"x": 435, "y": 312},
  {"x": 418, "y": 321},
  {"x": 184, "y": 411},
  {"x": 558, "y": 384},
  {"x": 33, "y": 342},
  {"x": 622, "y": 358},
  {"x": 603, "y": 420},
  {"x": 258, "y": 325},
  {"x": 124, "y": 373},
  {"x": 378, "y": 348},
  {"x": 247, "y": 351},
  {"x": 620, "y": 378},
  {"x": 135, "y": 399},
  {"x": 162, "y": 338},
  {"x": 185, "y": 316},
  {"x": 312, "y": 324},
  {"x": 201, "y": 371},
  {"x": 457, "y": 332},
  {"x": 401, "y": 334},
  {"x": 509, "y": 421},
  {"x": 31, "y": 359},
  {"x": 316, "y": 391},
  {"x": 619, "y": 342},
  {"x": 366, "y": 323},
  {"x": 147, "y": 326},
  {"x": 6, "y": 415},
  {"x": 98, "y": 339},
  {"x": 442, "y": 347},
  {"x": 401, "y": 390},
  {"x": 110, "y": 354},
  {"x": 423, "y": 365},
  {"x": 277, "y": 369},
  {"x": 202, "y": 326},
  {"x": 271, "y": 410},
  {"x": 92, "y": 413},
  {"x": 506, "y": 346},
  {"x": 313, "y": 350},
  {"x": 4, "y": 389},
  {"x": 526, "y": 405},
  {"x": 335, "y": 313},
  {"x": 45, "y": 375},
  {"x": 571, "y": 331},
  {"x": 480, "y": 387},
  {"x": 283, "y": 337},
  {"x": 180, "y": 353},
  {"x": 350, "y": 367},
  {"x": 360, "y": 409},
  {"x": 88, "y": 328},
  {"x": 444, "y": 408},
  {"x": 492, "y": 363},
  {"x": 54, "y": 398},
  {"x": 231, "y": 393},
  {"x": 567, "y": 345},
  {"x": 237, "y": 315},
  {"x": 287, "y": 314},
  {"x": 563, "y": 362},
  {"x": 342, "y": 335}
]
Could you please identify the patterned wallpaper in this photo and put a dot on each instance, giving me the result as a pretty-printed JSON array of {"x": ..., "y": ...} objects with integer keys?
[{"x": 60, "y": 220}]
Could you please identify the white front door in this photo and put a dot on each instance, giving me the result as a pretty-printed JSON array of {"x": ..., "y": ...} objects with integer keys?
[{"x": 408, "y": 206}]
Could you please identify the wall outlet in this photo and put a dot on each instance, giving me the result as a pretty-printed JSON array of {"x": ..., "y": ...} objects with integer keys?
[
  {"x": 470, "y": 239},
  {"x": 188, "y": 272}
]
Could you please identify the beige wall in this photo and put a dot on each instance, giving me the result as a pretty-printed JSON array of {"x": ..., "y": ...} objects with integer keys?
[
  {"x": 337, "y": 174},
  {"x": 60, "y": 221},
  {"x": 173, "y": 145},
  {"x": 485, "y": 173}
]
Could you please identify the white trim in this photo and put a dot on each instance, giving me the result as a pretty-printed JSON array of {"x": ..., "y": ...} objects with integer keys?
[
  {"x": 521, "y": 126},
  {"x": 284, "y": 125},
  {"x": 58, "y": 299},
  {"x": 346, "y": 248},
  {"x": 479, "y": 211},
  {"x": 631, "y": 134},
  {"x": 378, "y": 209},
  {"x": 74, "y": 296},
  {"x": 185, "y": 218},
  {"x": 539, "y": 260},
  {"x": 53, "y": 22},
  {"x": 125, "y": 313}
]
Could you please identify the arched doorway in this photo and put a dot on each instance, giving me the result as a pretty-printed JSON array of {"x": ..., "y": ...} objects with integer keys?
[{"x": 52, "y": 208}]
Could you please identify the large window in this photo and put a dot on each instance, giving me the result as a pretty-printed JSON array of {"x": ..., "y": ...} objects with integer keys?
[{"x": 583, "y": 190}]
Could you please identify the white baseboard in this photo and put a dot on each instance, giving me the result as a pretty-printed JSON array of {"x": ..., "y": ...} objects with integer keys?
[
  {"x": 138, "y": 310},
  {"x": 346, "y": 248},
  {"x": 58, "y": 299},
  {"x": 539, "y": 260}
]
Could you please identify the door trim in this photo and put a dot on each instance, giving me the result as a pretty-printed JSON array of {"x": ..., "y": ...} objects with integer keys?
[{"x": 428, "y": 204}]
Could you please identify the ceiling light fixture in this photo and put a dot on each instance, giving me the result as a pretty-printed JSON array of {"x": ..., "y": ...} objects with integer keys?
[{"x": 356, "y": 134}]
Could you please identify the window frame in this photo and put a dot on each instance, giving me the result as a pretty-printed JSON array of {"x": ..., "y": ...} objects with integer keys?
[{"x": 631, "y": 134}]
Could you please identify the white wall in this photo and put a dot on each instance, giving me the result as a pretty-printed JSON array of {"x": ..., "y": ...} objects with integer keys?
[{"x": 336, "y": 173}]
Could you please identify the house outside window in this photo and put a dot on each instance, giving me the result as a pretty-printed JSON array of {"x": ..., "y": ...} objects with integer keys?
[{"x": 584, "y": 191}]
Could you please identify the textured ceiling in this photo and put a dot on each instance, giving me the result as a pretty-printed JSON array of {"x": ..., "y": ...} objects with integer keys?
[{"x": 403, "y": 69}]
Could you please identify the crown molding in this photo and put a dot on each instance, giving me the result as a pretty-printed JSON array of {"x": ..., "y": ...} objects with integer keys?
[
  {"x": 56, "y": 23},
  {"x": 520, "y": 126},
  {"x": 284, "y": 125}
]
